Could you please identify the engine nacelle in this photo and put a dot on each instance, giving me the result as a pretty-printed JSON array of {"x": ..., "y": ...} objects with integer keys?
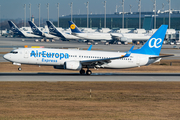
[
  {"x": 124, "y": 39},
  {"x": 72, "y": 65}
]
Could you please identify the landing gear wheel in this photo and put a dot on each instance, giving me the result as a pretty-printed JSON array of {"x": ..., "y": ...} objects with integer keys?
[
  {"x": 19, "y": 68},
  {"x": 82, "y": 72},
  {"x": 88, "y": 72}
]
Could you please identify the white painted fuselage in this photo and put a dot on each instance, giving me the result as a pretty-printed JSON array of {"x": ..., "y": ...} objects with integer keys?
[{"x": 55, "y": 57}]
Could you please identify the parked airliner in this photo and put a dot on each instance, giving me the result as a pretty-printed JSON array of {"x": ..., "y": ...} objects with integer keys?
[
  {"x": 64, "y": 36},
  {"x": 89, "y": 36},
  {"x": 37, "y": 31},
  {"x": 16, "y": 31},
  {"x": 80, "y": 59},
  {"x": 97, "y": 36}
]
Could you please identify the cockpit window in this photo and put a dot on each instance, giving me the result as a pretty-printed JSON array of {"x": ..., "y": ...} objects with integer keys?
[{"x": 14, "y": 52}]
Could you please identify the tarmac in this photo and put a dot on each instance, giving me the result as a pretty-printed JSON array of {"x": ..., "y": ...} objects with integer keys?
[{"x": 98, "y": 77}]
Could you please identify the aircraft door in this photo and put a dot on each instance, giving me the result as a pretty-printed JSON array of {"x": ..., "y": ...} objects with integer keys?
[
  {"x": 138, "y": 61},
  {"x": 26, "y": 54}
]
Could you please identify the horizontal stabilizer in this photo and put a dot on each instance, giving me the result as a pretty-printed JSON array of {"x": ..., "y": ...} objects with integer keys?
[{"x": 160, "y": 56}]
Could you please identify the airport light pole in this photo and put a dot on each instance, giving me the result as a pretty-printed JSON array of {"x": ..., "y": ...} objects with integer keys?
[
  {"x": 117, "y": 8},
  {"x": 139, "y": 6},
  {"x": 48, "y": 11},
  {"x": 163, "y": 10},
  {"x": 0, "y": 20},
  {"x": 169, "y": 2},
  {"x": 87, "y": 6},
  {"x": 24, "y": 15},
  {"x": 71, "y": 6},
  {"x": 39, "y": 7},
  {"x": 162, "y": 6},
  {"x": 58, "y": 13},
  {"x": 123, "y": 14},
  {"x": 104, "y": 14},
  {"x": 29, "y": 12},
  {"x": 130, "y": 7},
  {"x": 154, "y": 14}
]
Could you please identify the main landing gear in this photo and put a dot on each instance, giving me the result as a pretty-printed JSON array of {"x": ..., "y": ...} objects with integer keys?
[{"x": 88, "y": 72}]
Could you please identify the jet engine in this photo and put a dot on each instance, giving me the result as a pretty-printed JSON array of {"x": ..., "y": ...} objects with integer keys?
[{"x": 72, "y": 65}]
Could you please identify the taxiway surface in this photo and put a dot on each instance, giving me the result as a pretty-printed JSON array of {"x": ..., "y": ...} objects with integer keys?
[{"x": 99, "y": 77}]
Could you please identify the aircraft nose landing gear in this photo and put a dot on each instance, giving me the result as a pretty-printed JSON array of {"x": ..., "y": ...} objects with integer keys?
[{"x": 19, "y": 68}]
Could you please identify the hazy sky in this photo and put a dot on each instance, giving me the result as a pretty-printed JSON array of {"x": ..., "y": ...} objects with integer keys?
[{"x": 12, "y": 9}]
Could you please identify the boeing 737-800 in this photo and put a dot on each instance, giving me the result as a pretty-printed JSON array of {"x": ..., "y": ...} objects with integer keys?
[
  {"x": 16, "y": 31},
  {"x": 79, "y": 59}
]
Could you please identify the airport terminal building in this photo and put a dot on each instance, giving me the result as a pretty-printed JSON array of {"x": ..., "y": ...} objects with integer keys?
[{"x": 131, "y": 20}]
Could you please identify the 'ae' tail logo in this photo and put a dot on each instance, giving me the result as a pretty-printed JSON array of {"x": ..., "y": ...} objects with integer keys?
[
  {"x": 72, "y": 26},
  {"x": 156, "y": 43}
]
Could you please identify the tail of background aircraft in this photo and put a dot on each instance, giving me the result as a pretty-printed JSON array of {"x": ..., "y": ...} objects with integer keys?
[
  {"x": 14, "y": 28},
  {"x": 154, "y": 44},
  {"x": 53, "y": 30},
  {"x": 73, "y": 27},
  {"x": 35, "y": 29}
]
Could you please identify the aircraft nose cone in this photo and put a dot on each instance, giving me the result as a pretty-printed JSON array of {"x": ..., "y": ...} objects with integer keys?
[{"x": 6, "y": 57}]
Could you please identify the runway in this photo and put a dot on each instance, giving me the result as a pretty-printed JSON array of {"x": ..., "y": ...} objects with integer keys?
[{"x": 98, "y": 77}]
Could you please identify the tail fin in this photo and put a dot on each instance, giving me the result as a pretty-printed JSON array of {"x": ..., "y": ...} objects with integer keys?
[
  {"x": 35, "y": 28},
  {"x": 154, "y": 44},
  {"x": 53, "y": 30},
  {"x": 13, "y": 27},
  {"x": 73, "y": 27}
]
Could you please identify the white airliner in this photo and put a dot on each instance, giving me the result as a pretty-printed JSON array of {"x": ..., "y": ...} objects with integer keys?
[
  {"x": 36, "y": 31},
  {"x": 131, "y": 37},
  {"x": 64, "y": 36},
  {"x": 79, "y": 59},
  {"x": 16, "y": 31},
  {"x": 123, "y": 37},
  {"x": 89, "y": 36}
]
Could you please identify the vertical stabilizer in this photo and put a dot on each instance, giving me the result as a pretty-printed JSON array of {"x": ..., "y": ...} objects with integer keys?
[
  {"x": 74, "y": 28},
  {"x": 53, "y": 30},
  {"x": 154, "y": 44},
  {"x": 35, "y": 29}
]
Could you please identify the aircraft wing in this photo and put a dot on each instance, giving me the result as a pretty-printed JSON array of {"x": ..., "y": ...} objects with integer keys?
[{"x": 104, "y": 60}]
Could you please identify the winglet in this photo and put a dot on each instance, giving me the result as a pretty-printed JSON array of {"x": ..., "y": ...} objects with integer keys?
[
  {"x": 89, "y": 49},
  {"x": 128, "y": 53}
]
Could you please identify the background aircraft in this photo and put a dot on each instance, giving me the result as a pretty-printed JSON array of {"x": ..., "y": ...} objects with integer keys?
[
  {"x": 111, "y": 37},
  {"x": 17, "y": 32},
  {"x": 96, "y": 36},
  {"x": 64, "y": 36},
  {"x": 37, "y": 31}
]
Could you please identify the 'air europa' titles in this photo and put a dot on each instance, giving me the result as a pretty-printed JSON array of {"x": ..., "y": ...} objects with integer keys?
[{"x": 45, "y": 54}]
